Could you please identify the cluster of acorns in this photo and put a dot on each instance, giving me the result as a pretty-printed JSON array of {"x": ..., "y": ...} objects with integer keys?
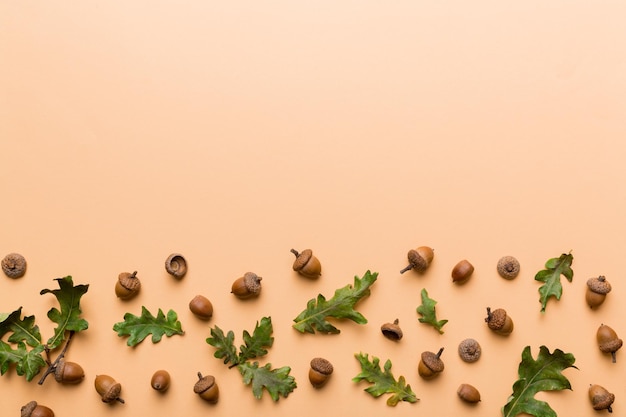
[{"x": 306, "y": 264}]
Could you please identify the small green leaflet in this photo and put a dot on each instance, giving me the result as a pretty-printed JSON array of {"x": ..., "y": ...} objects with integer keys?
[
  {"x": 68, "y": 318},
  {"x": 340, "y": 306},
  {"x": 28, "y": 362},
  {"x": 255, "y": 344},
  {"x": 139, "y": 327},
  {"x": 427, "y": 311},
  {"x": 276, "y": 381},
  {"x": 383, "y": 381},
  {"x": 543, "y": 374},
  {"x": 551, "y": 276},
  {"x": 23, "y": 329}
]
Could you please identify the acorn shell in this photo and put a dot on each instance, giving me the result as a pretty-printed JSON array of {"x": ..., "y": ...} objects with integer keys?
[
  {"x": 468, "y": 393},
  {"x": 68, "y": 372},
  {"x": 176, "y": 265},
  {"x": 319, "y": 372},
  {"x": 32, "y": 409},
  {"x": 201, "y": 307},
  {"x": 160, "y": 380},
  {"x": 247, "y": 286},
  {"x": 419, "y": 259},
  {"x": 600, "y": 398},
  {"x": 608, "y": 342},
  {"x": 207, "y": 388},
  {"x": 306, "y": 264},
  {"x": 462, "y": 272},
  {"x": 108, "y": 389},
  {"x": 392, "y": 331},
  {"x": 13, "y": 265},
  {"x": 430, "y": 364},
  {"x": 499, "y": 321},
  {"x": 597, "y": 289},
  {"x": 127, "y": 285}
]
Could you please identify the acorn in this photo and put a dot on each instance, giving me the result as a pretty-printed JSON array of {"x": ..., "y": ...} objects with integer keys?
[
  {"x": 608, "y": 340},
  {"x": 419, "y": 259},
  {"x": 160, "y": 380},
  {"x": 508, "y": 267},
  {"x": 108, "y": 389},
  {"x": 392, "y": 331},
  {"x": 597, "y": 289},
  {"x": 319, "y": 372},
  {"x": 201, "y": 307},
  {"x": 127, "y": 285},
  {"x": 306, "y": 264},
  {"x": 469, "y": 350},
  {"x": 206, "y": 388},
  {"x": 32, "y": 409},
  {"x": 176, "y": 265},
  {"x": 68, "y": 372},
  {"x": 247, "y": 286},
  {"x": 462, "y": 272},
  {"x": 14, "y": 265},
  {"x": 468, "y": 393},
  {"x": 601, "y": 399},
  {"x": 499, "y": 321},
  {"x": 430, "y": 364}
]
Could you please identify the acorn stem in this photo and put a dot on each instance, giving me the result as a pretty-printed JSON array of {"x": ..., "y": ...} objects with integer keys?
[
  {"x": 439, "y": 353},
  {"x": 133, "y": 275},
  {"x": 53, "y": 366},
  {"x": 489, "y": 315},
  {"x": 609, "y": 409},
  {"x": 407, "y": 268},
  {"x": 613, "y": 357},
  {"x": 295, "y": 252}
]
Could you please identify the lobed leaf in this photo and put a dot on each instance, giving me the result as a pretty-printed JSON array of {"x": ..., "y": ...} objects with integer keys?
[
  {"x": 225, "y": 345},
  {"x": 22, "y": 329},
  {"x": 277, "y": 382},
  {"x": 68, "y": 318},
  {"x": 427, "y": 311},
  {"x": 551, "y": 277},
  {"x": 256, "y": 344},
  {"x": 140, "y": 327},
  {"x": 340, "y": 306},
  {"x": 543, "y": 374},
  {"x": 383, "y": 381}
]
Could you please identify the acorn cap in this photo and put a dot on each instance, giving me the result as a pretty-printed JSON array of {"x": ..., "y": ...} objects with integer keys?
[
  {"x": 113, "y": 393},
  {"x": 417, "y": 261},
  {"x": 602, "y": 401},
  {"x": 58, "y": 371},
  {"x": 203, "y": 384},
  {"x": 432, "y": 361},
  {"x": 469, "y": 350},
  {"x": 252, "y": 282},
  {"x": 496, "y": 319},
  {"x": 302, "y": 259},
  {"x": 392, "y": 330},
  {"x": 176, "y": 265},
  {"x": 27, "y": 409},
  {"x": 14, "y": 265},
  {"x": 321, "y": 365},
  {"x": 508, "y": 267},
  {"x": 610, "y": 346},
  {"x": 129, "y": 281},
  {"x": 599, "y": 285}
]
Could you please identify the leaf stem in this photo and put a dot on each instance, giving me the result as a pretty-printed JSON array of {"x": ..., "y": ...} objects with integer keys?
[{"x": 53, "y": 366}]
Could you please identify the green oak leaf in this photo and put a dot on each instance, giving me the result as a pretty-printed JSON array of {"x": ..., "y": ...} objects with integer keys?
[
  {"x": 383, "y": 381},
  {"x": 225, "y": 345},
  {"x": 256, "y": 343},
  {"x": 427, "y": 311},
  {"x": 543, "y": 374},
  {"x": 340, "y": 306},
  {"x": 276, "y": 381},
  {"x": 23, "y": 329},
  {"x": 27, "y": 362},
  {"x": 139, "y": 327},
  {"x": 68, "y": 318},
  {"x": 551, "y": 276},
  {"x": 8, "y": 356}
]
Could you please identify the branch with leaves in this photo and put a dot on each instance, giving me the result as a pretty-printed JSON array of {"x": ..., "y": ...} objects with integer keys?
[
  {"x": 340, "y": 306},
  {"x": 277, "y": 382},
  {"x": 25, "y": 348}
]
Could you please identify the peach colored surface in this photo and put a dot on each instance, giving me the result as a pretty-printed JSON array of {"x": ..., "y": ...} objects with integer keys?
[{"x": 233, "y": 131}]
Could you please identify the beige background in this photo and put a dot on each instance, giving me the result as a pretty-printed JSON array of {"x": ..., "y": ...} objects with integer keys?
[{"x": 232, "y": 132}]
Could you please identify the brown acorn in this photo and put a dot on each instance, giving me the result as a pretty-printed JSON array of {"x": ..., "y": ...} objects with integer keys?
[
  {"x": 160, "y": 380},
  {"x": 247, "y": 286},
  {"x": 462, "y": 272},
  {"x": 597, "y": 289},
  {"x": 469, "y": 350},
  {"x": 600, "y": 398},
  {"x": 392, "y": 331},
  {"x": 508, "y": 267},
  {"x": 13, "y": 265},
  {"x": 306, "y": 264},
  {"x": 468, "y": 393},
  {"x": 419, "y": 259},
  {"x": 108, "y": 389},
  {"x": 319, "y": 372},
  {"x": 608, "y": 342},
  {"x": 201, "y": 307},
  {"x": 32, "y": 409},
  {"x": 176, "y": 265},
  {"x": 127, "y": 285},
  {"x": 499, "y": 321},
  {"x": 430, "y": 364},
  {"x": 68, "y": 372},
  {"x": 206, "y": 388}
]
